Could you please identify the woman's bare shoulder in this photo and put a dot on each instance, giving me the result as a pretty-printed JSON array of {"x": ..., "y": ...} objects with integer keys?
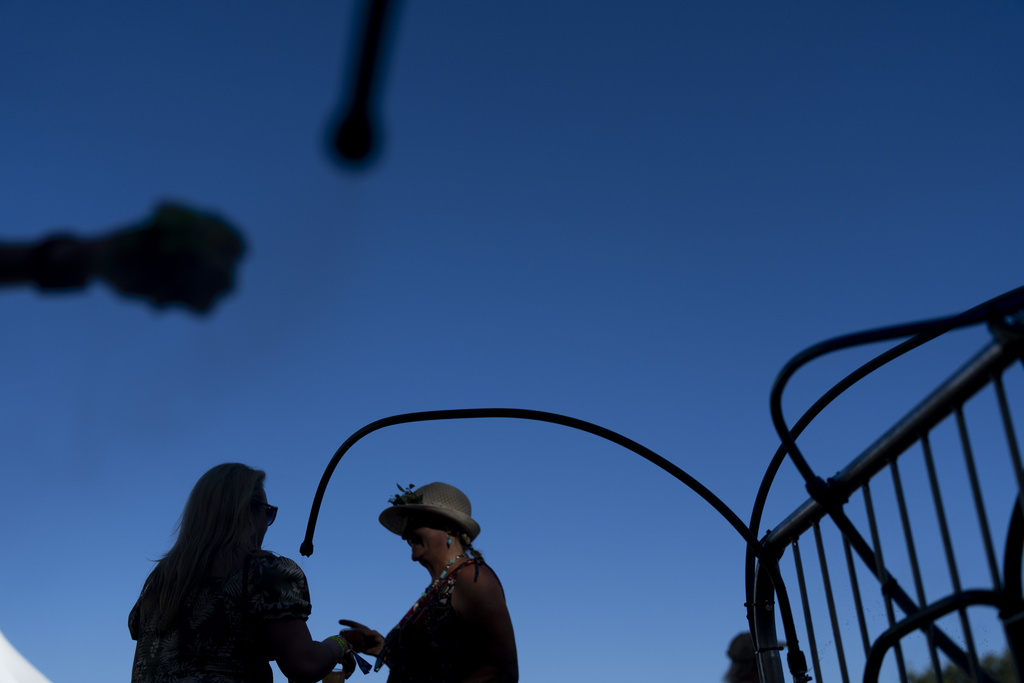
[{"x": 477, "y": 578}]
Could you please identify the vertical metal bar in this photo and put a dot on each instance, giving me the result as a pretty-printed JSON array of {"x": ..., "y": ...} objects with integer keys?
[
  {"x": 940, "y": 512},
  {"x": 972, "y": 473},
  {"x": 766, "y": 640},
  {"x": 857, "y": 602},
  {"x": 1013, "y": 618},
  {"x": 831, "y": 603},
  {"x": 1014, "y": 624},
  {"x": 1011, "y": 437},
  {"x": 880, "y": 572},
  {"x": 807, "y": 610},
  {"x": 914, "y": 566}
]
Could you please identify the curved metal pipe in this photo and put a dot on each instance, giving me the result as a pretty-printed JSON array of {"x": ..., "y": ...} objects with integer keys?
[
  {"x": 924, "y": 331},
  {"x": 920, "y": 619},
  {"x": 762, "y": 622},
  {"x": 537, "y": 415},
  {"x": 1013, "y": 609}
]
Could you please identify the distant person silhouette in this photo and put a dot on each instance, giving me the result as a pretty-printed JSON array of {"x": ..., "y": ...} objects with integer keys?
[{"x": 744, "y": 660}]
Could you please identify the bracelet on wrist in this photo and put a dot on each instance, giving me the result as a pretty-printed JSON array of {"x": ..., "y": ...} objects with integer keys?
[{"x": 345, "y": 647}]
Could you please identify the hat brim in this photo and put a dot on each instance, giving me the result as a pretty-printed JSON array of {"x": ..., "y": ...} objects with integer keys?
[{"x": 393, "y": 518}]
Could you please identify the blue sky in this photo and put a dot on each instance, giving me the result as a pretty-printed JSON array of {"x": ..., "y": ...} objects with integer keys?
[{"x": 633, "y": 216}]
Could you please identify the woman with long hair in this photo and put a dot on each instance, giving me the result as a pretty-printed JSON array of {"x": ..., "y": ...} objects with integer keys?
[{"x": 217, "y": 608}]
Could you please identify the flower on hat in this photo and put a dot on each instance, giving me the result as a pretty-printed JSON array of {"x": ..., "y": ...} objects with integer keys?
[{"x": 406, "y": 497}]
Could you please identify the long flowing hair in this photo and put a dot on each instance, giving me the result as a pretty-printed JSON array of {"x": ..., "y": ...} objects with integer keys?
[{"x": 217, "y": 524}]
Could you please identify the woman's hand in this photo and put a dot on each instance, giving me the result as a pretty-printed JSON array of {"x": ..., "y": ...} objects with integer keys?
[{"x": 362, "y": 638}]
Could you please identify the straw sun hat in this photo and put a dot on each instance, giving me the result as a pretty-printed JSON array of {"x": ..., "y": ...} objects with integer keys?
[{"x": 443, "y": 500}]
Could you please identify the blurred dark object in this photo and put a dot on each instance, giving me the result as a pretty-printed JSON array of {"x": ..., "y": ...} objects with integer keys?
[
  {"x": 179, "y": 256},
  {"x": 356, "y": 139},
  {"x": 743, "y": 668}
]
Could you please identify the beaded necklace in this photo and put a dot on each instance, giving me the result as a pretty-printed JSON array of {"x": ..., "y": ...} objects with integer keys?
[
  {"x": 443, "y": 582},
  {"x": 444, "y": 572},
  {"x": 434, "y": 583}
]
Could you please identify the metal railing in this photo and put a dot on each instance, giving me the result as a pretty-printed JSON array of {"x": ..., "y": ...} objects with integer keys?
[{"x": 862, "y": 586}]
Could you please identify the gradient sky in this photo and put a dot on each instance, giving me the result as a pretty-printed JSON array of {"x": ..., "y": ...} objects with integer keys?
[{"x": 632, "y": 215}]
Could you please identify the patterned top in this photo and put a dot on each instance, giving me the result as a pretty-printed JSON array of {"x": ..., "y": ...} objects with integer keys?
[
  {"x": 218, "y": 637},
  {"x": 432, "y": 643}
]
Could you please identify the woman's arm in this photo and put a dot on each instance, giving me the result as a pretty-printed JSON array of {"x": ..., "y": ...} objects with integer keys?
[
  {"x": 302, "y": 659},
  {"x": 480, "y": 600}
]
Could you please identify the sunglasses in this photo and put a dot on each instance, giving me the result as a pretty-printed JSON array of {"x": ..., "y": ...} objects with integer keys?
[{"x": 271, "y": 511}]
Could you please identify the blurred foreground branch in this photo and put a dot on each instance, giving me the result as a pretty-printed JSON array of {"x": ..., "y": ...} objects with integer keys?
[
  {"x": 178, "y": 256},
  {"x": 355, "y": 140}
]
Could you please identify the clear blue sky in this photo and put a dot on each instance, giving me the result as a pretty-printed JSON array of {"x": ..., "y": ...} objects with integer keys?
[{"x": 633, "y": 215}]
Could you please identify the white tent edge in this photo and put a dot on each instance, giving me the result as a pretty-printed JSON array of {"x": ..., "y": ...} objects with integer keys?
[{"x": 14, "y": 668}]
